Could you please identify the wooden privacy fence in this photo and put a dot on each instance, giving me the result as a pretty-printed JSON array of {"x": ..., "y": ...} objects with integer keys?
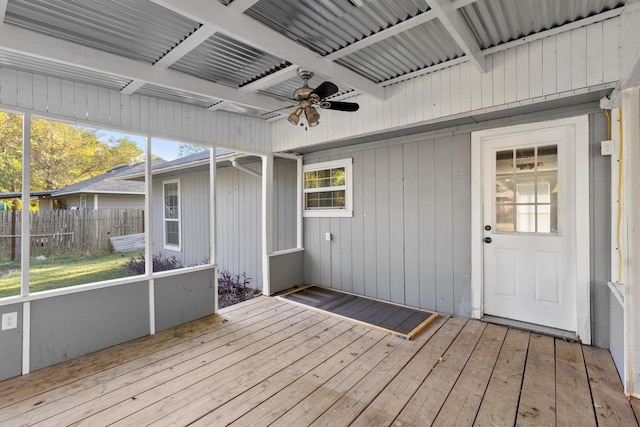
[{"x": 67, "y": 231}]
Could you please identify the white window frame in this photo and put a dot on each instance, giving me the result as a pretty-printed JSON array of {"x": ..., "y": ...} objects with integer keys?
[
  {"x": 348, "y": 187},
  {"x": 169, "y": 246}
]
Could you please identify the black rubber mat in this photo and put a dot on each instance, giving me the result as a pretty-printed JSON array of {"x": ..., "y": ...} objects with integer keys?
[{"x": 402, "y": 321}]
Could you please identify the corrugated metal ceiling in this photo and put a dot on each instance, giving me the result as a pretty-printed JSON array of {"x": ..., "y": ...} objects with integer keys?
[
  {"x": 19, "y": 62},
  {"x": 493, "y": 22},
  {"x": 144, "y": 31},
  {"x": 225, "y": 60},
  {"x": 138, "y": 30},
  {"x": 326, "y": 26}
]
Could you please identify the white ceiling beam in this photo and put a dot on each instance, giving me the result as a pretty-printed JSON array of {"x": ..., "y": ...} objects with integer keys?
[
  {"x": 242, "y": 5},
  {"x": 271, "y": 79},
  {"x": 249, "y": 31},
  {"x": 31, "y": 43},
  {"x": 381, "y": 35},
  {"x": 459, "y": 31},
  {"x": 3, "y": 9},
  {"x": 216, "y": 106},
  {"x": 174, "y": 55}
]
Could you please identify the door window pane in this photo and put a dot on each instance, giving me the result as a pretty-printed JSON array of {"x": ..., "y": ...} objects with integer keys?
[{"x": 526, "y": 190}]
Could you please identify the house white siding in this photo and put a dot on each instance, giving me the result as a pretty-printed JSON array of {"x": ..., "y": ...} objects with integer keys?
[
  {"x": 561, "y": 65},
  {"x": 109, "y": 109}
]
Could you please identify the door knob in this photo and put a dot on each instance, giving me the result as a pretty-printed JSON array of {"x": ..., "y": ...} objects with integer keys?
[{"x": 487, "y": 239}]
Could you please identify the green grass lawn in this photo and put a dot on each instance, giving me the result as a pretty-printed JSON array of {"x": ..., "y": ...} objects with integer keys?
[{"x": 63, "y": 271}]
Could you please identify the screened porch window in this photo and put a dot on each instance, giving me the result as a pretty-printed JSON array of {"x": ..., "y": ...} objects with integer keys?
[
  {"x": 327, "y": 188},
  {"x": 171, "y": 196}
]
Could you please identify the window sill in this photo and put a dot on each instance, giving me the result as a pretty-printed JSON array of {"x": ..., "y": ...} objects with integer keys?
[{"x": 328, "y": 214}]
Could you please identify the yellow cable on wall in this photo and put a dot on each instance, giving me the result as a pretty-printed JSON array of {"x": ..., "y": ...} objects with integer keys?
[{"x": 620, "y": 202}]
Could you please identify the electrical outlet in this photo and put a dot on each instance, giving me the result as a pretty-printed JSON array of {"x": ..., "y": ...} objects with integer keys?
[
  {"x": 9, "y": 321},
  {"x": 327, "y": 237},
  {"x": 607, "y": 148}
]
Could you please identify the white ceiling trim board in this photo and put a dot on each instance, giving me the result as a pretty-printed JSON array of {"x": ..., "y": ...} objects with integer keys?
[
  {"x": 21, "y": 41},
  {"x": 3, "y": 9},
  {"x": 251, "y": 32},
  {"x": 271, "y": 79},
  {"x": 459, "y": 31}
]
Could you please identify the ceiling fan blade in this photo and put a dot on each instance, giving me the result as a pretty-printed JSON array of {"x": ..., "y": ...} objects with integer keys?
[
  {"x": 325, "y": 89},
  {"x": 339, "y": 106}
]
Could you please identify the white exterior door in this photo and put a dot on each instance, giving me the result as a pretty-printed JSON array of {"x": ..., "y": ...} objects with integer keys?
[{"x": 531, "y": 270}]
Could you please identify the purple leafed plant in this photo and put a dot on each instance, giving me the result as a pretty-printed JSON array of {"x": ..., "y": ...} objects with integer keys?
[
  {"x": 233, "y": 284},
  {"x": 136, "y": 264}
]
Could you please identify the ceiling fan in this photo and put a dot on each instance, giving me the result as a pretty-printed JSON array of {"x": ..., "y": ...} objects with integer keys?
[{"x": 308, "y": 97}]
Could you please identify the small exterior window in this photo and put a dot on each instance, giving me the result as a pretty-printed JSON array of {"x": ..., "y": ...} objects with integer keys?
[
  {"x": 83, "y": 201},
  {"x": 327, "y": 189},
  {"x": 171, "y": 198}
]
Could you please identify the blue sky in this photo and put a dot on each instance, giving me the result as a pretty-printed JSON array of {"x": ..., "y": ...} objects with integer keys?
[{"x": 168, "y": 150}]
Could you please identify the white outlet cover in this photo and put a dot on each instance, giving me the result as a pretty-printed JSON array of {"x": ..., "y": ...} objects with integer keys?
[{"x": 9, "y": 321}]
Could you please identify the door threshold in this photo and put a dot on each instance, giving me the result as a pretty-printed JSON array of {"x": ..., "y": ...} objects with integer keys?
[{"x": 546, "y": 330}]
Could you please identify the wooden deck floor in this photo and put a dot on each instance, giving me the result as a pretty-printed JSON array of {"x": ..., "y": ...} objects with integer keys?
[{"x": 267, "y": 362}]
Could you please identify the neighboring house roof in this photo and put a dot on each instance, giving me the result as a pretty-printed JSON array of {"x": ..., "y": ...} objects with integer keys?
[
  {"x": 199, "y": 159},
  {"x": 109, "y": 182}
]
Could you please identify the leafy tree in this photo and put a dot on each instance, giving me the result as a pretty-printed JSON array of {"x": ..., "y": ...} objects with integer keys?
[
  {"x": 61, "y": 153},
  {"x": 186, "y": 149}
]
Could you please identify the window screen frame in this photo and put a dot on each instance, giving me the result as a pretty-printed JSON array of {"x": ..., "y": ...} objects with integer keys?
[
  {"x": 165, "y": 220},
  {"x": 330, "y": 212}
]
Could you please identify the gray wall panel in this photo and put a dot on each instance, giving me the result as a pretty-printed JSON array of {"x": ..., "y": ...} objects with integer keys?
[
  {"x": 71, "y": 325},
  {"x": 444, "y": 224},
  {"x": 238, "y": 211},
  {"x": 427, "y": 224},
  {"x": 600, "y": 233},
  {"x": 410, "y": 233},
  {"x": 616, "y": 338},
  {"x": 286, "y": 270},
  {"x": 461, "y": 145},
  {"x": 181, "y": 299},
  {"x": 11, "y": 345}
]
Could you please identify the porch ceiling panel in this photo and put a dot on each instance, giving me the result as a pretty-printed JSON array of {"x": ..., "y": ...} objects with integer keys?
[
  {"x": 138, "y": 30},
  {"x": 225, "y": 60},
  {"x": 417, "y": 48},
  {"x": 177, "y": 96},
  {"x": 326, "y": 26},
  {"x": 54, "y": 69},
  {"x": 493, "y": 22}
]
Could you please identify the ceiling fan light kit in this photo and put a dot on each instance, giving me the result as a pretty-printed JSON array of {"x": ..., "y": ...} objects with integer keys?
[{"x": 307, "y": 98}]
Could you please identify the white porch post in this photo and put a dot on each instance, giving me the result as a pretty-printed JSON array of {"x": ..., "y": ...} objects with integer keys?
[
  {"x": 25, "y": 251},
  {"x": 213, "y": 254},
  {"x": 148, "y": 232},
  {"x": 267, "y": 219},
  {"x": 631, "y": 206}
]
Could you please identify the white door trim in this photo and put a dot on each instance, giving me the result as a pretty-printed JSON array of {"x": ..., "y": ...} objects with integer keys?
[{"x": 583, "y": 293}]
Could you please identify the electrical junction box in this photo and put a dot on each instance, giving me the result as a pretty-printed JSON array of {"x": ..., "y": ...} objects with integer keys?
[
  {"x": 327, "y": 237},
  {"x": 607, "y": 148},
  {"x": 9, "y": 321}
]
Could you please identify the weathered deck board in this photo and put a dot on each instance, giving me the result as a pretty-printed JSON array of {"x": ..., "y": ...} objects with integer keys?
[
  {"x": 423, "y": 407},
  {"x": 271, "y": 363},
  {"x": 500, "y": 401},
  {"x": 573, "y": 397},
  {"x": 612, "y": 407},
  {"x": 538, "y": 397}
]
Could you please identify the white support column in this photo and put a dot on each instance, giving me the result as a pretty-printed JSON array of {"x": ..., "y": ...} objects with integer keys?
[
  {"x": 267, "y": 219},
  {"x": 299, "y": 202},
  {"x": 631, "y": 205},
  {"x": 213, "y": 254},
  {"x": 148, "y": 233},
  {"x": 25, "y": 250}
]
